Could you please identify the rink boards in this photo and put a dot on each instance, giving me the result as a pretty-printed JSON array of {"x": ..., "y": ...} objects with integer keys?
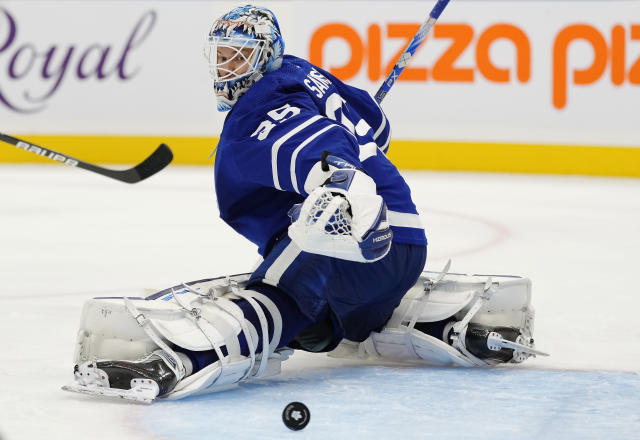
[{"x": 521, "y": 86}]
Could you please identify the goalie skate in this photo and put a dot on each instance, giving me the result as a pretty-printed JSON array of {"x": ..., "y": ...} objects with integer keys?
[
  {"x": 140, "y": 381},
  {"x": 492, "y": 345}
]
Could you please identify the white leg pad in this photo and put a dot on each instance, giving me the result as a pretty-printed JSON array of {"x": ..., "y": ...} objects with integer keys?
[
  {"x": 404, "y": 346},
  {"x": 436, "y": 297},
  {"x": 199, "y": 317}
]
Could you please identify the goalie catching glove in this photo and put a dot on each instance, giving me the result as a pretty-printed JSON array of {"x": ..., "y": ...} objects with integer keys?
[{"x": 342, "y": 218}]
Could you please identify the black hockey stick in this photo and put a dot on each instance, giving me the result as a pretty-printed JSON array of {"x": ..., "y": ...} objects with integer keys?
[{"x": 151, "y": 165}]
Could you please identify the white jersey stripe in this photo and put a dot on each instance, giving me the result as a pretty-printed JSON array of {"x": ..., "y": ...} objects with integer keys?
[
  {"x": 281, "y": 264},
  {"x": 277, "y": 144},
  {"x": 362, "y": 127},
  {"x": 367, "y": 150},
  {"x": 294, "y": 156},
  {"x": 404, "y": 219}
]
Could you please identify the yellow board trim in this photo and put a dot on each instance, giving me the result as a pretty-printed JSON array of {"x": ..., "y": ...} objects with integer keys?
[
  {"x": 113, "y": 149},
  {"x": 413, "y": 155},
  {"x": 517, "y": 158}
]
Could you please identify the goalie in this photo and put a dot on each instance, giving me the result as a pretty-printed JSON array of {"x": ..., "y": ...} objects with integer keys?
[{"x": 300, "y": 171}]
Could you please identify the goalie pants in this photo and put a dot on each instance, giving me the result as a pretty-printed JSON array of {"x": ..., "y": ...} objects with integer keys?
[{"x": 323, "y": 300}]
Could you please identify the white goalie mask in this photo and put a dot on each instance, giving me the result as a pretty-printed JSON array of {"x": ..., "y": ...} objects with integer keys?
[
  {"x": 234, "y": 65},
  {"x": 232, "y": 58},
  {"x": 241, "y": 46}
]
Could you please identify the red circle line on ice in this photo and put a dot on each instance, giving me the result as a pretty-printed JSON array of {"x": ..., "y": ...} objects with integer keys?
[{"x": 498, "y": 234}]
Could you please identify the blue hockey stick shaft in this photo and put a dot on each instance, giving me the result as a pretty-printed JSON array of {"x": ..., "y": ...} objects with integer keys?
[{"x": 410, "y": 50}]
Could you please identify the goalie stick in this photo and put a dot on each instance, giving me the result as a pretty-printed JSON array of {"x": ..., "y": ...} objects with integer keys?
[
  {"x": 159, "y": 159},
  {"x": 410, "y": 50}
]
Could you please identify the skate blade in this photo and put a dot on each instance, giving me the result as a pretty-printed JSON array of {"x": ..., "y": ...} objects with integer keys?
[
  {"x": 525, "y": 349},
  {"x": 503, "y": 343},
  {"x": 142, "y": 391}
]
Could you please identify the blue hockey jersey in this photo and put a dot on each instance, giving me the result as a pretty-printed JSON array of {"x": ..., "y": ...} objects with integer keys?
[{"x": 277, "y": 132}]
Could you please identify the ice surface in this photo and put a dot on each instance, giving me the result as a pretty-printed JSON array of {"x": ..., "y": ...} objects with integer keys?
[
  {"x": 417, "y": 403},
  {"x": 67, "y": 235}
]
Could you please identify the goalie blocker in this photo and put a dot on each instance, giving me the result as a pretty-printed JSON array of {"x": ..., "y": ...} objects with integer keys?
[{"x": 444, "y": 319}]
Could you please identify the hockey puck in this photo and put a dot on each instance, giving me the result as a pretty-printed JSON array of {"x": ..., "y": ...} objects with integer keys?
[{"x": 296, "y": 416}]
